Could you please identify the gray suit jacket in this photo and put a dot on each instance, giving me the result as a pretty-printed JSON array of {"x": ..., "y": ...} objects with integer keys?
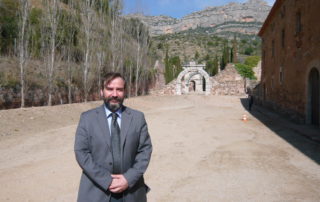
[{"x": 93, "y": 153}]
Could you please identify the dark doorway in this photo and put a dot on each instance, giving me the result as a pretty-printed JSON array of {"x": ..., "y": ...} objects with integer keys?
[
  {"x": 203, "y": 84},
  {"x": 314, "y": 96},
  {"x": 192, "y": 86}
]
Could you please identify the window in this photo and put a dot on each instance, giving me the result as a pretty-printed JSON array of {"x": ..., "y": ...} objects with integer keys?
[
  {"x": 283, "y": 36},
  {"x": 298, "y": 22},
  {"x": 272, "y": 48},
  {"x": 281, "y": 75},
  {"x": 272, "y": 27},
  {"x": 283, "y": 11}
]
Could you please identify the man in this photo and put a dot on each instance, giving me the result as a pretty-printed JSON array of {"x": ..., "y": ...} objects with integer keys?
[
  {"x": 250, "y": 97},
  {"x": 113, "y": 148}
]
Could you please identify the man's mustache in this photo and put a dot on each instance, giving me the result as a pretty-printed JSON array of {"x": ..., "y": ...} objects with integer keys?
[{"x": 114, "y": 99}]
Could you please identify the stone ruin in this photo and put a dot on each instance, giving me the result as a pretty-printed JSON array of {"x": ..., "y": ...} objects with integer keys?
[{"x": 193, "y": 79}]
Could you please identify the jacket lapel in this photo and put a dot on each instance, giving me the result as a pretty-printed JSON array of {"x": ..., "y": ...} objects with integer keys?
[
  {"x": 126, "y": 118},
  {"x": 103, "y": 124}
]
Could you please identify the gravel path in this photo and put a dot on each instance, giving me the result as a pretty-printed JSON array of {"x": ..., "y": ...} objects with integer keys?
[{"x": 203, "y": 151}]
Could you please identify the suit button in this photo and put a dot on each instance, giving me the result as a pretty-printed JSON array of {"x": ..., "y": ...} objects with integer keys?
[{"x": 110, "y": 163}]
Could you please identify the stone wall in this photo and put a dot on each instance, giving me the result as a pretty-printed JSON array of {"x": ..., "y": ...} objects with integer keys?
[
  {"x": 228, "y": 82},
  {"x": 287, "y": 60},
  {"x": 169, "y": 89}
]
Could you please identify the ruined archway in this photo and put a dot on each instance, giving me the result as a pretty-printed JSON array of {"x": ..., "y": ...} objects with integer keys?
[{"x": 193, "y": 74}]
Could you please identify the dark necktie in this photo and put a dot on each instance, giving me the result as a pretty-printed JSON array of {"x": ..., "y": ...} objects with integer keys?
[{"x": 115, "y": 138}]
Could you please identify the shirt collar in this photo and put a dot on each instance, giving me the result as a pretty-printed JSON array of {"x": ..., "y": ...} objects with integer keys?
[{"x": 108, "y": 112}]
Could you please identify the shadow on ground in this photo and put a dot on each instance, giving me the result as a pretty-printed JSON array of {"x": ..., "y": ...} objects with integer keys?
[{"x": 303, "y": 137}]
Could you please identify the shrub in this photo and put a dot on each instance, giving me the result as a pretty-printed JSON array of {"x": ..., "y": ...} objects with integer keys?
[
  {"x": 252, "y": 61},
  {"x": 248, "y": 51},
  {"x": 245, "y": 71}
]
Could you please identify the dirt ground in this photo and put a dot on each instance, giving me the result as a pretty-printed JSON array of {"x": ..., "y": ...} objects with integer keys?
[{"x": 203, "y": 151}]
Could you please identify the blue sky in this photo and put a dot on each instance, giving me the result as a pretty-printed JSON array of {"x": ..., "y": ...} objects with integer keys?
[{"x": 174, "y": 8}]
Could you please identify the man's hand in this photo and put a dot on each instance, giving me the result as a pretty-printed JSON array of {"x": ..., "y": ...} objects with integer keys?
[{"x": 119, "y": 184}]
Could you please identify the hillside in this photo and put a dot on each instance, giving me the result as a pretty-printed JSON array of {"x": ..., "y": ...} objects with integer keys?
[
  {"x": 249, "y": 12},
  {"x": 201, "y": 45},
  {"x": 54, "y": 52}
]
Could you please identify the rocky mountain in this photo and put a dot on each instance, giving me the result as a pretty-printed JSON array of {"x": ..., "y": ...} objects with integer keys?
[{"x": 233, "y": 17}]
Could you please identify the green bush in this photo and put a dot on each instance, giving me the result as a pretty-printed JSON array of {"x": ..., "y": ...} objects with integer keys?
[
  {"x": 160, "y": 45},
  {"x": 172, "y": 67},
  {"x": 212, "y": 67},
  {"x": 245, "y": 71},
  {"x": 210, "y": 43},
  {"x": 248, "y": 51},
  {"x": 252, "y": 61}
]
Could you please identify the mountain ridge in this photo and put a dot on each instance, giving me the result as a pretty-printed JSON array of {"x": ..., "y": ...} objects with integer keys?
[{"x": 250, "y": 11}]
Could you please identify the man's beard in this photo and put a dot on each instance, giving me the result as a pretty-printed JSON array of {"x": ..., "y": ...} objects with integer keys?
[{"x": 113, "y": 106}]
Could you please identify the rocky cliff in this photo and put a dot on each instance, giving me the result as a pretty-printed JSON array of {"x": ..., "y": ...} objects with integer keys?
[{"x": 235, "y": 13}]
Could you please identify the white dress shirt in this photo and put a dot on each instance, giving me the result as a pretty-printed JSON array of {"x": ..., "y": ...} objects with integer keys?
[{"x": 109, "y": 117}]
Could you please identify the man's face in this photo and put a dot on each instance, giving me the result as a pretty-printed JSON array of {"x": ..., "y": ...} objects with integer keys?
[{"x": 113, "y": 94}]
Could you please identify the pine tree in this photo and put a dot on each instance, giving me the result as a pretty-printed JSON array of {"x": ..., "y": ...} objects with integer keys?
[
  {"x": 167, "y": 73},
  {"x": 234, "y": 50}
]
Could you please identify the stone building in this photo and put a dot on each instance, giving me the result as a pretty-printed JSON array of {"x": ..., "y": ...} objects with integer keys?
[{"x": 291, "y": 60}]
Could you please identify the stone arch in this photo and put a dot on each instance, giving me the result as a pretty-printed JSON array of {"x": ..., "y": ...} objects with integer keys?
[{"x": 190, "y": 72}]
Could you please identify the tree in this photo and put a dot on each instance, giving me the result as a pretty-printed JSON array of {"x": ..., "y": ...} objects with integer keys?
[
  {"x": 252, "y": 61},
  {"x": 234, "y": 50},
  {"x": 116, "y": 36},
  {"x": 215, "y": 66},
  {"x": 8, "y": 25},
  {"x": 248, "y": 51},
  {"x": 142, "y": 48},
  {"x": 138, "y": 57},
  {"x": 35, "y": 32},
  {"x": 212, "y": 66},
  {"x": 225, "y": 58},
  {"x": 172, "y": 66},
  {"x": 23, "y": 44},
  {"x": 175, "y": 65},
  {"x": 196, "y": 55},
  {"x": 168, "y": 71},
  {"x": 245, "y": 71},
  {"x": 70, "y": 24},
  {"x": 87, "y": 16},
  {"x": 52, "y": 16},
  {"x": 209, "y": 67},
  {"x": 67, "y": 34}
]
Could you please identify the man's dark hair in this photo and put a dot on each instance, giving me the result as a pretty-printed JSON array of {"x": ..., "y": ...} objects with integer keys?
[{"x": 108, "y": 77}]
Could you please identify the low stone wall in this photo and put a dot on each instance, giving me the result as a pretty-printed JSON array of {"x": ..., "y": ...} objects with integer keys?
[
  {"x": 169, "y": 89},
  {"x": 228, "y": 82}
]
